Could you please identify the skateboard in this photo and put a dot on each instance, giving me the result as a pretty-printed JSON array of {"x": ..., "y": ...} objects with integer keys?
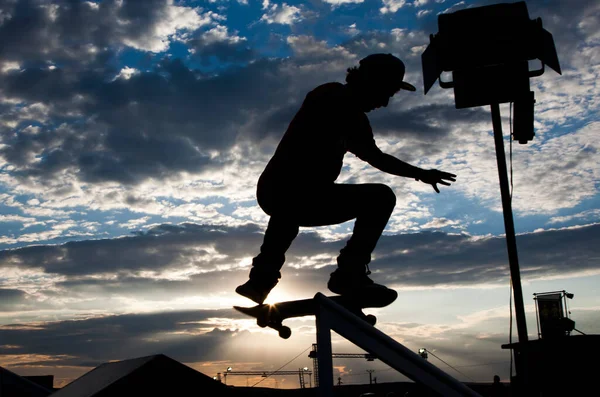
[{"x": 272, "y": 316}]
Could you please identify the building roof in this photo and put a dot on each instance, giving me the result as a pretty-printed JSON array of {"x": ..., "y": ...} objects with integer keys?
[
  {"x": 156, "y": 374},
  {"x": 13, "y": 385}
]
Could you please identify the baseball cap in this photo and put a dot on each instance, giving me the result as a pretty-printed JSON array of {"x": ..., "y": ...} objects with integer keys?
[{"x": 388, "y": 67}]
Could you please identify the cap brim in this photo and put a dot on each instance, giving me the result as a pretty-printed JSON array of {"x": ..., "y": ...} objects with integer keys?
[{"x": 406, "y": 86}]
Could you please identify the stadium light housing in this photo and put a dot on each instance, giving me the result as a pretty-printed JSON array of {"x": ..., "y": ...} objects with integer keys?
[{"x": 487, "y": 49}]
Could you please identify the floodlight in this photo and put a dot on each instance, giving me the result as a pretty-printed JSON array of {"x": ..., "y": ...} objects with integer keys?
[
  {"x": 487, "y": 36},
  {"x": 488, "y": 50}
]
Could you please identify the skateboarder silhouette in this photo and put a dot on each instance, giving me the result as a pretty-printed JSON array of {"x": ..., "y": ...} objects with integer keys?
[{"x": 297, "y": 187}]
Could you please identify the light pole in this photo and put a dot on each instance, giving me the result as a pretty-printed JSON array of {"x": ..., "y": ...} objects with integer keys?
[
  {"x": 488, "y": 50},
  {"x": 305, "y": 369},
  {"x": 229, "y": 369}
]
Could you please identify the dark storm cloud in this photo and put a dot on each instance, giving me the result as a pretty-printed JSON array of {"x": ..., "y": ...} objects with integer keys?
[
  {"x": 9, "y": 298},
  {"x": 62, "y": 30},
  {"x": 161, "y": 248},
  {"x": 420, "y": 259},
  {"x": 146, "y": 126},
  {"x": 172, "y": 118},
  {"x": 226, "y": 50},
  {"x": 438, "y": 258},
  {"x": 153, "y": 124},
  {"x": 93, "y": 341},
  {"x": 427, "y": 122},
  {"x": 154, "y": 289}
]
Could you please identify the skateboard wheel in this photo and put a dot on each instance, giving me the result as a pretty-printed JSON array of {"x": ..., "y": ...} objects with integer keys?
[
  {"x": 285, "y": 332},
  {"x": 261, "y": 323},
  {"x": 371, "y": 319}
]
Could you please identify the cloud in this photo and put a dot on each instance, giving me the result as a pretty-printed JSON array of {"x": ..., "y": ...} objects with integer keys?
[
  {"x": 309, "y": 50},
  {"x": 34, "y": 31},
  {"x": 77, "y": 139},
  {"x": 136, "y": 252},
  {"x": 9, "y": 298},
  {"x": 186, "y": 336},
  {"x": 391, "y": 6},
  {"x": 283, "y": 14},
  {"x": 454, "y": 7},
  {"x": 186, "y": 264},
  {"x": 338, "y": 3},
  {"x": 585, "y": 216},
  {"x": 220, "y": 43},
  {"x": 129, "y": 138}
]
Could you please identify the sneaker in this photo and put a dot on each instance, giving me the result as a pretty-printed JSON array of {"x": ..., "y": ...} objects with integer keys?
[
  {"x": 256, "y": 291},
  {"x": 345, "y": 282}
]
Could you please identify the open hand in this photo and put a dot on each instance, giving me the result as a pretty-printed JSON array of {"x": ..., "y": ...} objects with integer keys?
[{"x": 433, "y": 177}]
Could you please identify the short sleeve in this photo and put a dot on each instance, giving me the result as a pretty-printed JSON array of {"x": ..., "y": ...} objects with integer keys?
[{"x": 359, "y": 137}]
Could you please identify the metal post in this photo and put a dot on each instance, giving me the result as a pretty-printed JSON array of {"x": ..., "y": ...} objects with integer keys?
[
  {"x": 511, "y": 242},
  {"x": 334, "y": 317},
  {"x": 324, "y": 355}
]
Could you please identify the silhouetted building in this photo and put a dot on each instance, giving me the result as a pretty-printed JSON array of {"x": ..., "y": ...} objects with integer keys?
[
  {"x": 13, "y": 385},
  {"x": 152, "y": 375},
  {"x": 46, "y": 381}
]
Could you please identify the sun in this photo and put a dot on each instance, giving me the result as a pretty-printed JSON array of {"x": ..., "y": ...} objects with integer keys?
[{"x": 279, "y": 295}]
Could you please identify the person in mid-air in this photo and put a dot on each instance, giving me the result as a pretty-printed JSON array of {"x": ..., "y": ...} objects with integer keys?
[{"x": 297, "y": 187}]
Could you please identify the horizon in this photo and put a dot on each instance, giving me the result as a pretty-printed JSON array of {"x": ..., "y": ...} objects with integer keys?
[{"x": 132, "y": 138}]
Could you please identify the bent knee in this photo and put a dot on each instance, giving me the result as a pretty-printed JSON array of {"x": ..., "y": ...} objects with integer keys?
[{"x": 385, "y": 196}]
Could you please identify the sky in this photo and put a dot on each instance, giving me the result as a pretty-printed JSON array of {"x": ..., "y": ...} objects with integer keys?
[{"x": 132, "y": 135}]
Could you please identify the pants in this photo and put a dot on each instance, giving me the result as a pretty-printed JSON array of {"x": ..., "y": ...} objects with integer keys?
[{"x": 370, "y": 204}]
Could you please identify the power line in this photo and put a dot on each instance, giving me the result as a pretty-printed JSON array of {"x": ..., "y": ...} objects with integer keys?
[
  {"x": 480, "y": 365},
  {"x": 450, "y": 366},
  {"x": 283, "y": 366}
]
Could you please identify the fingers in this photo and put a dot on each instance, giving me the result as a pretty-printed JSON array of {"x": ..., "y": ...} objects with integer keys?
[{"x": 441, "y": 177}]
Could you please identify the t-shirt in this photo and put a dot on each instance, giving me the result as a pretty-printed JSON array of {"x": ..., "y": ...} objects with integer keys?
[{"x": 312, "y": 149}]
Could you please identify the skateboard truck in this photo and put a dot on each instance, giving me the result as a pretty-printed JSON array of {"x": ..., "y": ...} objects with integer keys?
[{"x": 272, "y": 316}]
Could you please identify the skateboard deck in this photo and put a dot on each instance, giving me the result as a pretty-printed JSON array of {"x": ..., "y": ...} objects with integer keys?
[{"x": 272, "y": 316}]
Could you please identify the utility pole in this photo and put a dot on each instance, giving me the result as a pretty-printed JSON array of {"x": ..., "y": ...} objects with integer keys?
[
  {"x": 313, "y": 355},
  {"x": 370, "y": 371}
]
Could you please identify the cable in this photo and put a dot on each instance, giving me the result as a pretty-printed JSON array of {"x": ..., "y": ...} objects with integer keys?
[
  {"x": 450, "y": 366},
  {"x": 510, "y": 139},
  {"x": 510, "y": 327},
  {"x": 481, "y": 365},
  {"x": 279, "y": 369}
]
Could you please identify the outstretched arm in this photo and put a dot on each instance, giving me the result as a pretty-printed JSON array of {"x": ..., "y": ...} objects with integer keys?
[{"x": 394, "y": 166}]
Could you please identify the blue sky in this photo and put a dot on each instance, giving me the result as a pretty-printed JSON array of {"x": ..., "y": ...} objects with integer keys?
[{"x": 132, "y": 135}]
